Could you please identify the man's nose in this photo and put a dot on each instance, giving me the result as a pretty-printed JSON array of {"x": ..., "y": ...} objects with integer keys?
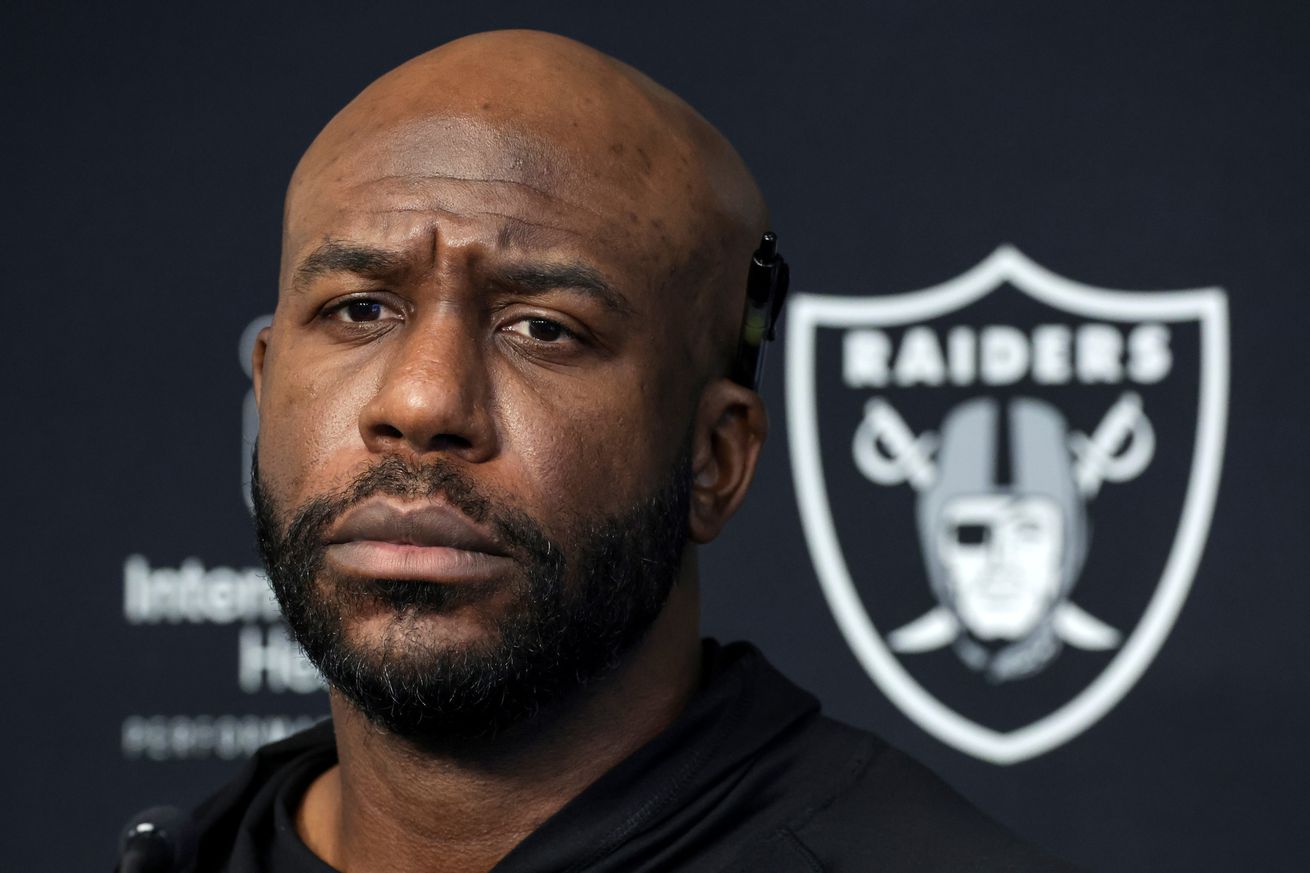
[{"x": 434, "y": 395}]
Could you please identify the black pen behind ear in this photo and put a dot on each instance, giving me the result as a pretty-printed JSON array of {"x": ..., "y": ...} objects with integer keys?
[{"x": 766, "y": 290}]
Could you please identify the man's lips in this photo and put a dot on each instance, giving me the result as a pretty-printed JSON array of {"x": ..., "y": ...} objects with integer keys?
[{"x": 425, "y": 542}]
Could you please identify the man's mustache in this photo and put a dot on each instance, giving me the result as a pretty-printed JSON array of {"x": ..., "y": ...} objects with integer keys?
[{"x": 395, "y": 476}]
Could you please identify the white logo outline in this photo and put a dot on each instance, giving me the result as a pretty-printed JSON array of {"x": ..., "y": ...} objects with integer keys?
[{"x": 1207, "y": 306}]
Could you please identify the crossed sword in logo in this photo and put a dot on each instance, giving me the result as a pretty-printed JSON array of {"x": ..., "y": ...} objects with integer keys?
[{"x": 1119, "y": 449}]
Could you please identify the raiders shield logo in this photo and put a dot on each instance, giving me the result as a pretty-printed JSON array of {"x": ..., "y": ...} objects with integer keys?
[{"x": 1006, "y": 482}]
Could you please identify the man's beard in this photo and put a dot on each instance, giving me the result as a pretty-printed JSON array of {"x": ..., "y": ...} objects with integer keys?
[{"x": 573, "y": 614}]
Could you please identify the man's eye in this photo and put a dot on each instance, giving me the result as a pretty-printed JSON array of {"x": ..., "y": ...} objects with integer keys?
[
  {"x": 359, "y": 311},
  {"x": 540, "y": 329},
  {"x": 363, "y": 310}
]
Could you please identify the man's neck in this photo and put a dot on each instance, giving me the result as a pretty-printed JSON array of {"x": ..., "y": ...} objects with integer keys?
[{"x": 389, "y": 806}]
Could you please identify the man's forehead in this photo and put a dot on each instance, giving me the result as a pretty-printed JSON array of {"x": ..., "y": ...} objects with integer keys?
[
  {"x": 455, "y": 146},
  {"x": 406, "y": 163},
  {"x": 535, "y": 189}
]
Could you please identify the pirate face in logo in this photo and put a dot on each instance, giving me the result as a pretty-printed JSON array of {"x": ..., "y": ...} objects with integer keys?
[
  {"x": 1002, "y": 523},
  {"x": 999, "y": 558},
  {"x": 1003, "y": 531}
]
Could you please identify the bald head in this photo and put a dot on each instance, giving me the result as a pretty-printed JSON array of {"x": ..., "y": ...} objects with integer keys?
[
  {"x": 550, "y": 118},
  {"x": 514, "y": 274}
]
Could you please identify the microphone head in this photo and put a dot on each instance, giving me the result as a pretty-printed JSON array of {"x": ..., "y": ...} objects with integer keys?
[{"x": 161, "y": 839}]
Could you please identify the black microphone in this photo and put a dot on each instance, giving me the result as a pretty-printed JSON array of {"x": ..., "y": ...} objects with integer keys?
[{"x": 161, "y": 839}]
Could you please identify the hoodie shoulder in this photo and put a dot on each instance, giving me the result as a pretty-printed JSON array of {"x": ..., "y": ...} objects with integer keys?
[{"x": 889, "y": 812}]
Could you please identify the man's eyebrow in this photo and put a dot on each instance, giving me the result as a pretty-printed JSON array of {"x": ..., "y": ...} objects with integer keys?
[
  {"x": 542, "y": 278},
  {"x": 336, "y": 256}
]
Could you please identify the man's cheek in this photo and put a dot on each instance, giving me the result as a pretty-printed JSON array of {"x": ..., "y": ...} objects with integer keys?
[
  {"x": 601, "y": 462},
  {"x": 309, "y": 438}
]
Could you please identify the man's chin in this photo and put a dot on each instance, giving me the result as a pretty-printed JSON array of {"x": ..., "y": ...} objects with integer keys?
[
  {"x": 408, "y": 633},
  {"x": 426, "y": 677}
]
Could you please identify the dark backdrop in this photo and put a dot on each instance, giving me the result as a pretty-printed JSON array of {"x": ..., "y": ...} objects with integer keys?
[{"x": 1137, "y": 146}]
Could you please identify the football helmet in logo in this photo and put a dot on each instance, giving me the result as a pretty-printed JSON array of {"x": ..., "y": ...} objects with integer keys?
[{"x": 1003, "y": 523}]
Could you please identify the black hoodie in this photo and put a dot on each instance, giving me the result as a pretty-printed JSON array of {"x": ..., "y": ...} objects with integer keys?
[{"x": 751, "y": 777}]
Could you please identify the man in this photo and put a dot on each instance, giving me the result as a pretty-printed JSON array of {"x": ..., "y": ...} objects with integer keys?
[{"x": 497, "y": 418}]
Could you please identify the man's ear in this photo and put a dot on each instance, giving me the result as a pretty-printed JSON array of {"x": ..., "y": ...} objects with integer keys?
[
  {"x": 731, "y": 426},
  {"x": 257, "y": 356}
]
